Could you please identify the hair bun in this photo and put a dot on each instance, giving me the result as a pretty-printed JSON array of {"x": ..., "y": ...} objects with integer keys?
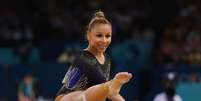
[{"x": 99, "y": 14}]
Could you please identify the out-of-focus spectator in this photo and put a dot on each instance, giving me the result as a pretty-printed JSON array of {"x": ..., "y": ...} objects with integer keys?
[
  {"x": 169, "y": 93},
  {"x": 194, "y": 78},
  {"x": 66, "y": 57},
  {"x": 166, "y": 52},
  {"x": 24, "y": 52},
  {"x": 193, "y": 48},
  {"x": 28, "y": 89}
]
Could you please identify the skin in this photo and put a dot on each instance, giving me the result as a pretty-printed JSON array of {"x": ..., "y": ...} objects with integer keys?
[
  {"x": 99, "y": 38},
  {"x": 101, "y": 91},
  {"x": 115, "y": 85}
]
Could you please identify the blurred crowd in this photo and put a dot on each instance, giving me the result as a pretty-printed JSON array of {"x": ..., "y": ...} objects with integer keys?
[
  {"x": 181, "y": 39},
  {"x": 52, "y": 19}
]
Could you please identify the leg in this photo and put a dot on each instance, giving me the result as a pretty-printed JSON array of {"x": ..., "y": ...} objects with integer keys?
[
  {"x": 99, "y": 92},
  {"x": 93, "y": 93},
  {"x": 108, "y": 89}
]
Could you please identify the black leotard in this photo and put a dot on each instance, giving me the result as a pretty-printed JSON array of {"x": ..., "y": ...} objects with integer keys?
[{"x": 85, "y": 72}]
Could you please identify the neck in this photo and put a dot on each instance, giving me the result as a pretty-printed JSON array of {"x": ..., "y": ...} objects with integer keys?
[{"x": 94, "y": 52}]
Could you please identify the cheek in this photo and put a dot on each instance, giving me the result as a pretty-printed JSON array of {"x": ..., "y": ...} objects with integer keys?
[
  {"x": 109, "y": 41},
  {"x": 91, "y": 39},
  {"x": 94, "y": 41}
]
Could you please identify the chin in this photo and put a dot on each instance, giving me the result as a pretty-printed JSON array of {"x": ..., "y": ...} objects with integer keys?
[{"x": 103, "y": 50}]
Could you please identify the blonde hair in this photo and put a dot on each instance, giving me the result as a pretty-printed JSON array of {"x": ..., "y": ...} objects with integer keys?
[{"x": 99, "y": 18}]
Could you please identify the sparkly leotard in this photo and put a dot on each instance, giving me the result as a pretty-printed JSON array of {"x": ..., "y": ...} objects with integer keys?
[{"x": 85, "y": 72}]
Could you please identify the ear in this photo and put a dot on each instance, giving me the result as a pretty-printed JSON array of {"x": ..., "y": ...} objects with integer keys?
[{"x": 88, "y": 35}]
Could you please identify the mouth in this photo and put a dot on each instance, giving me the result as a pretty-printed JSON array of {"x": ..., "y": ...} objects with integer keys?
[{"x": 101, "y": 47}]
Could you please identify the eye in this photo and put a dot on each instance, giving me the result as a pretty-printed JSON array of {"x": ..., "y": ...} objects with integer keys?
[
  {"x": 108, "y": 36},
  {"x": 99, "y": 35}
]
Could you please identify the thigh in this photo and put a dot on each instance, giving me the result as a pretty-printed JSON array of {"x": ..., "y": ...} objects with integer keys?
[
  {"x": 59, "y": 97},
  {"x": 74, "y": 96}
]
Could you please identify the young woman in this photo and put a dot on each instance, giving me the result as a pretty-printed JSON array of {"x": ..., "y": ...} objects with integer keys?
[{"x": 91, "y": 69}]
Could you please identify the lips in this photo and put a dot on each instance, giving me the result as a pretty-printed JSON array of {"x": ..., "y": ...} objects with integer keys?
[{"x": 102, "y": 47}]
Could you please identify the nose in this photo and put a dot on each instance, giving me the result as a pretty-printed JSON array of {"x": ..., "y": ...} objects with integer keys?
[{"x": 104, "y": 40}]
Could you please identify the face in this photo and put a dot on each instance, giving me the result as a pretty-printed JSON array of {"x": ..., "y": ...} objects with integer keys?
[
  {"x": 28, "y": 79},
  {"x": 99, "y": 37}
]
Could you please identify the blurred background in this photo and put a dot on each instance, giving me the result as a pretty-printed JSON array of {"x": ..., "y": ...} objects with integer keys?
[{"x": 156, "y": 40}]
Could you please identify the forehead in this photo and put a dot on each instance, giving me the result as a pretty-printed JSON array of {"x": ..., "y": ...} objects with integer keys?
[{"x": 102, "y": 28}]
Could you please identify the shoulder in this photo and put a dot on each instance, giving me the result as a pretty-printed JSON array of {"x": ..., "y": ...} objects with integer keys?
[
  {"x": 178, "y": 98},
  {"x": 160, "y": 97},
  {"x": 84, "y": 58}
]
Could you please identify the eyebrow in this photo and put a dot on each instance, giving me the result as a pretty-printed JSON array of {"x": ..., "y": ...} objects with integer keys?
[{"x": 101, "y": 32}]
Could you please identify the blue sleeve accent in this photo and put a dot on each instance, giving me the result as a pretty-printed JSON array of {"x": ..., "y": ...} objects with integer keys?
[{"x": 73, "y": 77}]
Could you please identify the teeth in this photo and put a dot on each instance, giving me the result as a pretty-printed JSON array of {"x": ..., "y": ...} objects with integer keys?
[{"x": 102, "y": 47}]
